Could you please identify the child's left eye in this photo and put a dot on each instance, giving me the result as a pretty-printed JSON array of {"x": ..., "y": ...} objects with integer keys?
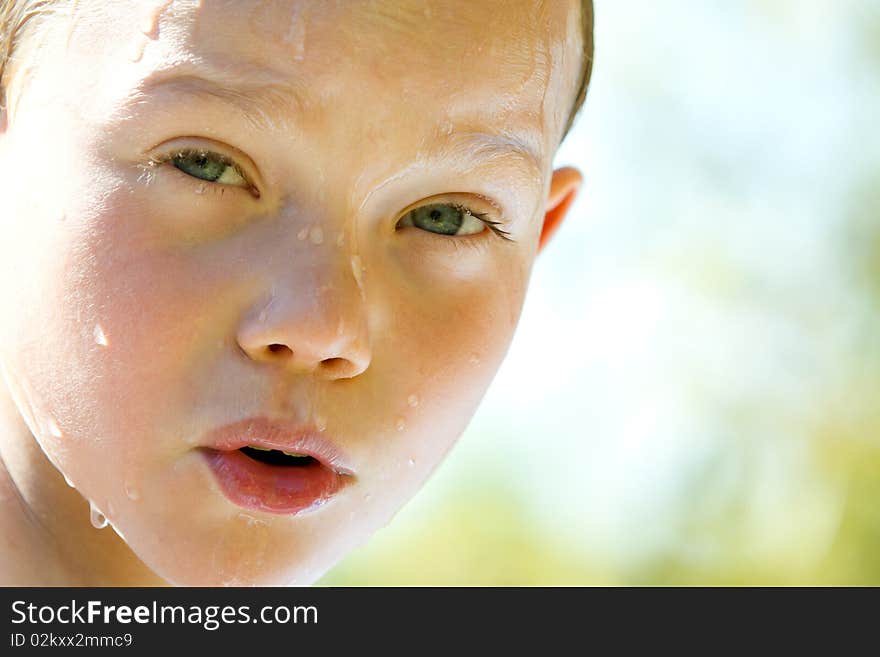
[
  {"x": 209, "y": 166},
  {"x": 445, "y": 219}
]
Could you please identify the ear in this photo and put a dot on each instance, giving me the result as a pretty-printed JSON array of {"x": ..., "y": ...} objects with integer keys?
[{"x": 564, "y": 186}]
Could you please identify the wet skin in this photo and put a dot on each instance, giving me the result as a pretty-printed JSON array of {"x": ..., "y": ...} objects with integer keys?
[{"x": 143, "y": 305}]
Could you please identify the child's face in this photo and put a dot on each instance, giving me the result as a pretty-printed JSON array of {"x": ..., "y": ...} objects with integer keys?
[{"x": 143, "y": 307}]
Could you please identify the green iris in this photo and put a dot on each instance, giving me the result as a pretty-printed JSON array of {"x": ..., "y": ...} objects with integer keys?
[
  {"x": 200, "y": 165},
  {"x": 438, "y": 218}
]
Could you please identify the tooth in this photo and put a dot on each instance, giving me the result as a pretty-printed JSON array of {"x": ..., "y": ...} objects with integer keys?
[
  {"x": 262, "y": 449},
  {"x": 293, "y": 454}
]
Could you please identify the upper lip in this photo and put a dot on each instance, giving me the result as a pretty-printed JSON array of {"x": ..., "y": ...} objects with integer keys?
[{"x": 284, "y": 435}]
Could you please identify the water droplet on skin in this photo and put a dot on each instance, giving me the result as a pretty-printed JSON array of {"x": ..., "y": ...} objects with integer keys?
[
  {"x": 316, "y": 235},
  {"x": 357, "y": 268},
  {"x": 413, "y": 400},
  {"x": 136, "y": 51},
  {"x": 99, "y": 336},
  {"x": 251, "y": 521},
  {"x": 52, "y": 426},
  {"x": 301, "y": 235},
  {"x": 68, "y": 481},
  {"x": 401, "y": 425},
  {"x": 201, "y": 189},
  {"x": 98, "y": 519},
  {"x": 411, "y": 462},
  {"x": 321, "y": 423},
  {"x": 131, "y": 492},
  {"x": 340, "y": 239}
]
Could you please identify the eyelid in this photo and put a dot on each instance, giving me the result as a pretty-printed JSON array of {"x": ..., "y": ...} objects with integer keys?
[
  {"x": 494, "y": 218},
  {"x": 229, "y": 155}
]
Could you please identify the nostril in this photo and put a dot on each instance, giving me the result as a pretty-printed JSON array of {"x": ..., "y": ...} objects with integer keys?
[
  {"x": 279, "y": 349},
  {"x": 336, "y": 366}
]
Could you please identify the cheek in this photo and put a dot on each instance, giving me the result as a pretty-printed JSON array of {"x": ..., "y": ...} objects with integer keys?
[
  {"x": 107, "y": 333},
  {"x": 451, "y": 321}
]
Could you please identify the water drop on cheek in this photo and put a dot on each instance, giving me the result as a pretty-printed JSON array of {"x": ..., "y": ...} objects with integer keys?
[
  {"x": 413, "y": 400},
  {"x": 136, "y": 51},
  {"x": 201, "y": 189},
  {"x": 52, "y": 427},
  {"x": 302, "y": 234},
  {"x": 100, "y": 337},
  {"x": 131, "y": 492},
  {"x": 401, "y": 425},
  {"x": 316, "y": 235},
  {"x": 411, "y": 462},
  {"x": 98, "y": 519},
  {"x": 474, "y": 359}
]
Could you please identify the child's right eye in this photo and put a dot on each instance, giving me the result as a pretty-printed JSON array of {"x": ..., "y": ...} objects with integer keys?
[{"x": 209, "y": 166}]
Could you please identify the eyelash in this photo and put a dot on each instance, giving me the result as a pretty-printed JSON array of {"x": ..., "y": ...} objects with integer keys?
[
  {"x": 220, "y": 188},
  {"x": 490, "y": 224},
  {"x": 214, "y": 187}
]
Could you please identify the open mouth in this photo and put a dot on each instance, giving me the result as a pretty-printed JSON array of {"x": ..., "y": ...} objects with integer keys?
[
  {"x": 277, "y": 457},
  {"x": 254, "y": 472},
  {"x": 272, "y": 480}
]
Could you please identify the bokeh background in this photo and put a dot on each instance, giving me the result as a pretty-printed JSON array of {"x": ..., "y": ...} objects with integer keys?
[{"x": 691, "y": 395}]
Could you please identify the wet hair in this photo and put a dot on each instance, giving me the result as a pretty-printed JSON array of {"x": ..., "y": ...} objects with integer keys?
[
  {"x": 15, "y": 15},
  {"x": 586, "y": 63}
]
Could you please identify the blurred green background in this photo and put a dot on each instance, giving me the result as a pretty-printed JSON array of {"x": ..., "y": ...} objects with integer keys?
[{"x": 691, "y": 395}]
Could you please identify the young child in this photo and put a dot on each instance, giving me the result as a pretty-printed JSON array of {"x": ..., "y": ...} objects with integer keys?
[{"x": 260, "y": 262}]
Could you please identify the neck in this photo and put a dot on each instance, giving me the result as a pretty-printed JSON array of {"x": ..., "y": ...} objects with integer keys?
[{"x": 49, "y": 538}]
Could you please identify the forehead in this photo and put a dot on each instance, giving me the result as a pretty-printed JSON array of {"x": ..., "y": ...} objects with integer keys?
[{"x": 403, "y": 61}]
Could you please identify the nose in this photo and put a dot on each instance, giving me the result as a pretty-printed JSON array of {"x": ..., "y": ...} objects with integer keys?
[{"x": 316, "y": 326}]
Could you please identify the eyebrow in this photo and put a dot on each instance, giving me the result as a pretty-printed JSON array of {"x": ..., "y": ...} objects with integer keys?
[{"x": 268, "y": 101}]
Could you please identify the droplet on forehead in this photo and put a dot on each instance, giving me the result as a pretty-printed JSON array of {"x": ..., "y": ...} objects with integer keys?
[
  {"x": 99, "y": 336},
  {"x": 98, "y": 519}
]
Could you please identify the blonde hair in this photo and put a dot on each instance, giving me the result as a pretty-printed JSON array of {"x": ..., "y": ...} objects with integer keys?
[{"x": 17, "y": 15}]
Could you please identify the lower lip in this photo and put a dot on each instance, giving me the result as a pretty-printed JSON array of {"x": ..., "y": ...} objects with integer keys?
[{"x": 277, "y": 489}]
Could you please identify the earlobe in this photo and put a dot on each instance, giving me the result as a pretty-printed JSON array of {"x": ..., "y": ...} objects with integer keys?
[{"x": 564, "y": 186}]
